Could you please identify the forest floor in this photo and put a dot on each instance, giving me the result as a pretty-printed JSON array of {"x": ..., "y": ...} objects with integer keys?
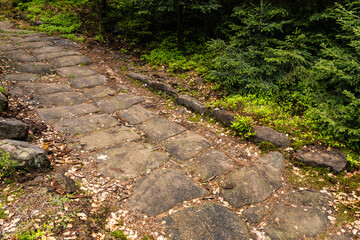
[{"x": 144, "y": 166}]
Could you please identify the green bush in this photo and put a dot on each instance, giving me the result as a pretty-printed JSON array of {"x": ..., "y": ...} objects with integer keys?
[
  {"x": 312, "y": 74},
  {"x": 243, "y": 126}
]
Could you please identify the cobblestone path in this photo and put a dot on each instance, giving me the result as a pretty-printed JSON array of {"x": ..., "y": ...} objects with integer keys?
[{"x": 77, "y": 102}]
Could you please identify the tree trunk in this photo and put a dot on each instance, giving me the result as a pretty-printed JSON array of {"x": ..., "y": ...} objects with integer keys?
[
  {"x": 101, "y": 9},
  {"x": 180, "y": 28}
]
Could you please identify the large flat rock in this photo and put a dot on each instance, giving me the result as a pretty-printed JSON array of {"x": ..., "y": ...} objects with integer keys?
[
  {"x": 298, "y": 216},
  {"x": 20, "y": 55},
  {"x": 71, "y": 61},
  {"x": 88, "y": 81},
  {"x": 25, "y": 154},
  {"x": 209, "y": 164},
  {"x": 22, "y": 77},
  {"x": 98, "y": 92},
  {"x": 163, "y": 190},
  {"x": 130, "y": 160},
  {"x": 254, "y": 215},
  {"x": 57, "y": 113},
  {"x": 334, "y": 159},
  {"x": 30, "y": 45},
  {"x": 25, "y": 38},
  {"x": 266, "y": 134},
  {"x": 73, "y": 72},
  {"x": 4, "y": 47},
  {"x": 40, "y": 89},
  {"x": 61, "y": 99},
  {"x": 119, "y": 102},
  {"x": 9, "y": 47},
  {"x": 137, "y": 114},
  {"x": 209, "y": 221},
  {"x": 46, "y": 50},
  {"x": 158, "y": 129},
  {"x": 107, "y": 138},
  {"x": 33, "y": 67},
  {"x": 256, "y": 183},
  {"x": 187, "y": 145},
  {"x": 11, "y": 128},
  {"x": 86, "y": 124},
  {"x": 53, "y": 55}
]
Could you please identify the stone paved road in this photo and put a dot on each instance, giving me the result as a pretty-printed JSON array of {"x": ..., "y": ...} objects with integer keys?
[{"x": 84, "y": 107}]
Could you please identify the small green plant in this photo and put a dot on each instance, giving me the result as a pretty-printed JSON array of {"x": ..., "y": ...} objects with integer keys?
[
  {"x": 30, "y": 235},
  {"x": 7, "y": 166},
  {"x": 99, "y": 38},
  {"x": 60, "y": 201},
  {"x": 119, "y": 235},
  {"x": 267, "y": 147},
  {"x": 194, "y": 119},
  {"x": 243, "y": 126},
  {"x": 2, "y": 214},
  {"x": 147, "y": 237}
]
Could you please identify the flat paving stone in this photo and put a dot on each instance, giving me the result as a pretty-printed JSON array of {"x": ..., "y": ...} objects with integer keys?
[
  {"x": 163, "y": 190},
  {"x": 46, "y": 50},
  {"x": 9, "y": 47},
  {"x": 65, "y": 43},
  {"x": 158, "y": 129},
  {"x": 71, "y": 61},
  {"x": 255, "y": 214},
  {"x": 53, "y": 55},
  {"x": 137, "y": 114},
  {"x": 300, "y": 215},
  {"x": 187, "y": 145},
  {"x": 130, "y": 160},
  {"x": 46, "y": 88},
  {"x": 108, "y": 138},
  {"x": 22, "y": 77},
  {"x": 88, "y": 81},
  {"x": 38, "y": 89},
  {"x": 17, "y": 40},
  {"x": 78, "y": 71},
  {"x": 98, "y": 92},
  {"x": 209, "y": 164},
  {"x": 33, "y": 67},
  {"x": 20, "y": 55},
  {"x": 30, "y": 45},
  {"x": 254, "y": 184},
  {"x": 57, "y": 113},
  {"x": 61, "y": 99},
  {"x": 119, "y": 102},
  {"x": 209, "y": 221},
  {"x": 86, "y": 124}
]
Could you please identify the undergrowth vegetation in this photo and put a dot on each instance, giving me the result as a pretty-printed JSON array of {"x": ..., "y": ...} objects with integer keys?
[{"x": 293, "y": 66}]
